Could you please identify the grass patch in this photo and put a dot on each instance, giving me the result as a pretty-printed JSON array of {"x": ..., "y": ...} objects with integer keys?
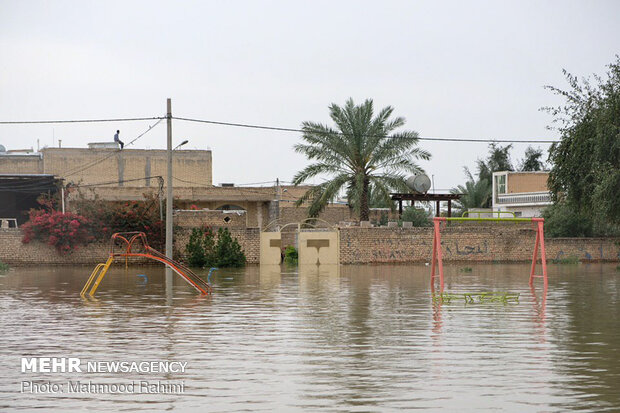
[{"x": 4, "y": 268}]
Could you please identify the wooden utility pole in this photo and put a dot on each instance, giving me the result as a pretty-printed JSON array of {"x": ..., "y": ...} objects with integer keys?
[{"x": 169, "y": 195}]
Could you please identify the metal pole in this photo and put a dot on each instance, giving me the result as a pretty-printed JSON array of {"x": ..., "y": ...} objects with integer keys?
[
  {"x": 62, "y": 196},
  {"x": 169, "y": 196}
]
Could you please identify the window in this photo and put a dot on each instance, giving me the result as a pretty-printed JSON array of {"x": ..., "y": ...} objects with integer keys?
[
  {"x": 500, "y": 184},
  {"x": 518, "y": 214}
]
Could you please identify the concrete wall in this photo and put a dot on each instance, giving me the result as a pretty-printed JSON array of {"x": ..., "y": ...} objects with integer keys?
[
  {"x": 21, "y": 164},
  {"x": 319, "y": 247},
  {"x": 192, "y": 168}
]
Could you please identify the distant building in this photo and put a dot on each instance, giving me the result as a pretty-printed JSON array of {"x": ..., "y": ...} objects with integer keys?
[
  {"x": 524, "y": 193},
  {"x": 105, "y": 173}
]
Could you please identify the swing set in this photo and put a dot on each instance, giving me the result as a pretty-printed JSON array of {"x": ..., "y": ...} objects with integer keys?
[{"x": 441, "y": 222}]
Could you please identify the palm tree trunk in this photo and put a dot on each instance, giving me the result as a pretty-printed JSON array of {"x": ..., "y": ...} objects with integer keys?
[{"x": 364, "y": 210}]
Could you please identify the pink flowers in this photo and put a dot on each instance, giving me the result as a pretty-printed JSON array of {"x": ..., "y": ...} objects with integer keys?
[{"x": 63, "y": 231}]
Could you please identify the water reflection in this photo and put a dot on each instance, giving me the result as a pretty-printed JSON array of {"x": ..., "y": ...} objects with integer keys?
[{"x": 326, "y": 338}]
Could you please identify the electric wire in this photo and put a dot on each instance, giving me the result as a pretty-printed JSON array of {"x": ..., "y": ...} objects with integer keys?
[
  {"x": 34, "y": 122},
  {"x": 425, "y": 138},
  {"x": 267, "y": 127}
]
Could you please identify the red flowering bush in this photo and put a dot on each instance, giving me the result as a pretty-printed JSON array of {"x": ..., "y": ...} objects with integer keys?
[
  {"x": 65, "y": 231},
  {"x": 106, "y": 218},
  {"x": 93, "y": 220}
]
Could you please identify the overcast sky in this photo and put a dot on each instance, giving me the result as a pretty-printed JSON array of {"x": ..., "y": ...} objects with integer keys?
[{"x": 452, "y": 69}]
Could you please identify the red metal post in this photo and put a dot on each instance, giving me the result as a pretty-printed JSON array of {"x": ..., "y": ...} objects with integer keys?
[
  {"x": 543, "y": 253},
  {"x": 437, "y": 255},
  {"x": 434, "y": 254},
  {"x": 535, "y": 256}
]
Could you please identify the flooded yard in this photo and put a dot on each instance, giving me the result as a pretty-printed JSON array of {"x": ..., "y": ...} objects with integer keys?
[{"x": 348, "y": 338}]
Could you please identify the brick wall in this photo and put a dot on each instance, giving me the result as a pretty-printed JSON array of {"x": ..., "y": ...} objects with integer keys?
[
  {"x": 211, "y": 218},
  {"x": 465, "y": 243},
  {"x": 14, "y": 252},
  {"x": 359, "y": 245}
]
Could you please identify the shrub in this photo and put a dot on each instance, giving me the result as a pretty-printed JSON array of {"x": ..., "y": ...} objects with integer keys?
[
  {"x": 4, "y": 268},
  {"x": 417, "y": 216},
  {"x": 110, "y": 217},
  {"x": 203, "y": 251},
  {"x": 228, "y": 251},
  {"x": 291, "y": 255},
  {"x": 65, "y": 231},
  {"x": 200, "y": 248}
]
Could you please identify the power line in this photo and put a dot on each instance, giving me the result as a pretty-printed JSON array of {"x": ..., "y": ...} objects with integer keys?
[
  {"x": 34, "y": 122},
  {"x": 265, "y": 127},
  {"x": 281, "y": 129},
  {"x": 114, "y": 182}
]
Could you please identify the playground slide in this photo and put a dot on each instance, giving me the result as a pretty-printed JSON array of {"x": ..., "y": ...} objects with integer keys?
[
  {"x": 188, "y": 275},
  {"x": 129, "y": 238}
]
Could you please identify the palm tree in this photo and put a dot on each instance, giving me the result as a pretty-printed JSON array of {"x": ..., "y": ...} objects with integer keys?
[
  {"x": 362, "y": 153},
  {"x": 475, "y": 194}
]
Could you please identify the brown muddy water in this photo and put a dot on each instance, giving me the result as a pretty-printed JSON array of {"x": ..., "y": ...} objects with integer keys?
[{"x": 349, "y": 338}]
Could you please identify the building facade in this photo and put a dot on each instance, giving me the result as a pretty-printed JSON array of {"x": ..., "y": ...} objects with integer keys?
[
  {"x": 104, "y": 173},
  {"x": 523, "y": 193}
]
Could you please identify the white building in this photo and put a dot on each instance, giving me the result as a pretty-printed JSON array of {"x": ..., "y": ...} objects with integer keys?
[{"x": 524, "y": 193}]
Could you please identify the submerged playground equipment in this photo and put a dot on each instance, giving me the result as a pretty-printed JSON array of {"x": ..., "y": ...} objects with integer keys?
[
  {"x": 134, "y": 244},
  {"x": 537, "y": 223}
]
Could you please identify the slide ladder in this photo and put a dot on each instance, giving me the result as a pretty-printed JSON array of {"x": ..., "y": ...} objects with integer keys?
[{"x": 96, "y": 276}]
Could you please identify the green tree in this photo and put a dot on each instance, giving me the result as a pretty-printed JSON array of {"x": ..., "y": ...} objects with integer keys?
[
  {"x": 363, "y": 153},
  {"x": 228, "y": 250},
  {"x": 498, "y": 160},
  {"x": 475, "y": 194},
  {"x": 585, "y": 173},
  {"x": 532, "y": 161}
]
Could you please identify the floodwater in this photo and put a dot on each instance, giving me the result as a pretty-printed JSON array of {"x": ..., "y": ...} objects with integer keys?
[{"x": 349, "y": 338}]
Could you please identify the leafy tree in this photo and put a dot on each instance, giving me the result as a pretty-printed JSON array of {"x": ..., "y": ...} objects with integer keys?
[
  {"x": 585, "y": 171},
  {"x": 561, "y": 220},
  {"x": 475, "y": 194},
  {"x": 362, "y": 153},
  {"x": 532, "y": 160},
  {"x": 498, "y": 160}
]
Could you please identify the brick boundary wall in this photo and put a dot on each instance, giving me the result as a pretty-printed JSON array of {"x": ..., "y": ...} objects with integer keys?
[
  {"x": 500, "y": 243},
  {"x": 359, "y": 246}
]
